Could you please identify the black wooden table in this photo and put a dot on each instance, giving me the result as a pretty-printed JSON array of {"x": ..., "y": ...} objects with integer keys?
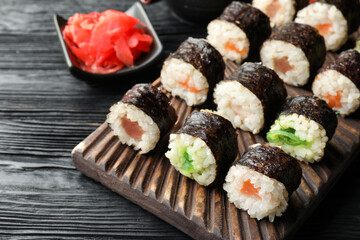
[{"x": 45, "y": 112}]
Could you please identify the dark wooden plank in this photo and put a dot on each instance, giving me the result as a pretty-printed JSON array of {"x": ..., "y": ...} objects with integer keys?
[{"x": 60, "y": 203}]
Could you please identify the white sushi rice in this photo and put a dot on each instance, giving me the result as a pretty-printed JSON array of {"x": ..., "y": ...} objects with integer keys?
[
  {"x": 151, "y": 130},
  {"x": 274, "y": 196},
  {"x": 307, "y": 130},
  {"x": 174, "y": 72},
  {"x": 220, "y": 33},
  {"x": 323, "y": 13},
  {"x": 203, "y": 160},
  {"x": 284, "y": 15},
  {"x": 299, "y": 74},
  {"x": 331, "y": 82},
  {"x": 239, "y": 105}
]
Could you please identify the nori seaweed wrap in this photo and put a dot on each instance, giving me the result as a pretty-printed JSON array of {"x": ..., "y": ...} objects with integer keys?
[
  {"x": 142, "y": 117},
  {"x": 348, "y": 64},
  {"x": 204, "y": 148},
  {"x": 262, "y": 181},
  {"x": 252, "y": 21},
  {"x": 153, "y": 103},
  {"x": 303, "y": 128},
  {"x": 300, "y": 4},
  {"x": 339, "y": 83},
  {"x": 284, "y": 52},
  {"x": 307, "y": 39},
  {"x": 192, "y": 71},
  {"x": 314, "y": 109},
  {"x": 239, "y": 31},
  {"x": 274, "y": 163},
  {"x": 250, "y": 97}
]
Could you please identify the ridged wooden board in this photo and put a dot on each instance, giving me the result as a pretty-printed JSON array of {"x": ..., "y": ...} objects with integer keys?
[{"x": 205, "y": 213}]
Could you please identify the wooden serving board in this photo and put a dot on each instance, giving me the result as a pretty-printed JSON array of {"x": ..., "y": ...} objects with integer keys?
[{"x": 205, "y": 213}]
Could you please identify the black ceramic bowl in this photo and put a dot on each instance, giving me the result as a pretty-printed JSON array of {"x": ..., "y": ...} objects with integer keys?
[
  {"x": 197, "y": 11},
  {"x": 124, "y": 74}
]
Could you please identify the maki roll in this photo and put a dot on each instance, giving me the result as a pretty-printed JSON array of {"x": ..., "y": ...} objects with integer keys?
[
  {"x": 141, "y": 117},
  {"x": 192, "y": 71},
  {"x": 303, "y": 128},
  {"x": 296, "y": 51},
  {"x": 334, "y": 19},
  {"x": 339, "y": 83},
  {"x": 203, "y": 148},
  {"x": 280, "y": 12},
  {"x": 262, "y": 181},
  {"x": 239, "y": 31},
  {"x": 250, "y": 97}
]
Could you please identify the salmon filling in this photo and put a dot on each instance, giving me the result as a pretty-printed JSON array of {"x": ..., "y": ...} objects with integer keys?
[
  {"x": 273, "y": 8},
  {"x": 230, "y": 46},
  {"x": 324, "y": 28},
  {"x": 132, "y": 128},
  {"x": 282, "y": 65},
  {"x": 334, "y": 101},
  {"x": 185, "y": 84},
  {"x": 249, "y": 189}
]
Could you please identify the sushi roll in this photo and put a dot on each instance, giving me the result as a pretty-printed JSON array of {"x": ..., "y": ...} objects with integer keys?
[
  {"x": 250, "y": 97},
  {"x": 239, "y": 31},
  {"x": 303, "y": 128},
  {"x": 203, "y": 148},
  {"x": 280, "y": 12},
  {"x": 296, "y": 51},
  {"x": 192, "y": 71},
  {"x": 339, "y": 83},
  {"x": 262, "y": 181},
  {"x": 334, "y": 19},
  {"x": 141, "y": 117}
]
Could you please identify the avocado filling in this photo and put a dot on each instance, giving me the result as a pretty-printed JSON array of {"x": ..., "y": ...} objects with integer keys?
[{"x": 285, "y": 135}]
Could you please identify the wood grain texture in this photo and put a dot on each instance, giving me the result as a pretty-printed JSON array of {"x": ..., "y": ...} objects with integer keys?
[
  {"x": 206, "y": 213},
  {"x": 45, "y": 112}
]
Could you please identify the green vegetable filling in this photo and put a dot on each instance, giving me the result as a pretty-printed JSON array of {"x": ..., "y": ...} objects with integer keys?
[
  {"x": 285, "y": 135},
  {"x": 187, "y": 165}
]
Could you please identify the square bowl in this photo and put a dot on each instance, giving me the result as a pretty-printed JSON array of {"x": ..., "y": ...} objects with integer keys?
[{"x": 143, "y": 62}]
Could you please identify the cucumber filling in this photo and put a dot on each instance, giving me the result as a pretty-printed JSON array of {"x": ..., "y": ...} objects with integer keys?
[
  {"x": 287, "y": 136},
  {"x": 192, "y": 158},
  {"x": 187, "y": 165}
]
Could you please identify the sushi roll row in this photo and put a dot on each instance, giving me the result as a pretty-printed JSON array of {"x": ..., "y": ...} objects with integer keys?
[
  {"x": 260, "y": 182},
  {"x": 334, "y": 19},
  {"x": 193, "y": 70},
  {"x": 295, "y": 51}
]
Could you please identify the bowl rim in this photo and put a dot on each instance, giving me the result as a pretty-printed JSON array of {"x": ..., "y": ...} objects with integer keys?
[{"x": 157, "y": 46}]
